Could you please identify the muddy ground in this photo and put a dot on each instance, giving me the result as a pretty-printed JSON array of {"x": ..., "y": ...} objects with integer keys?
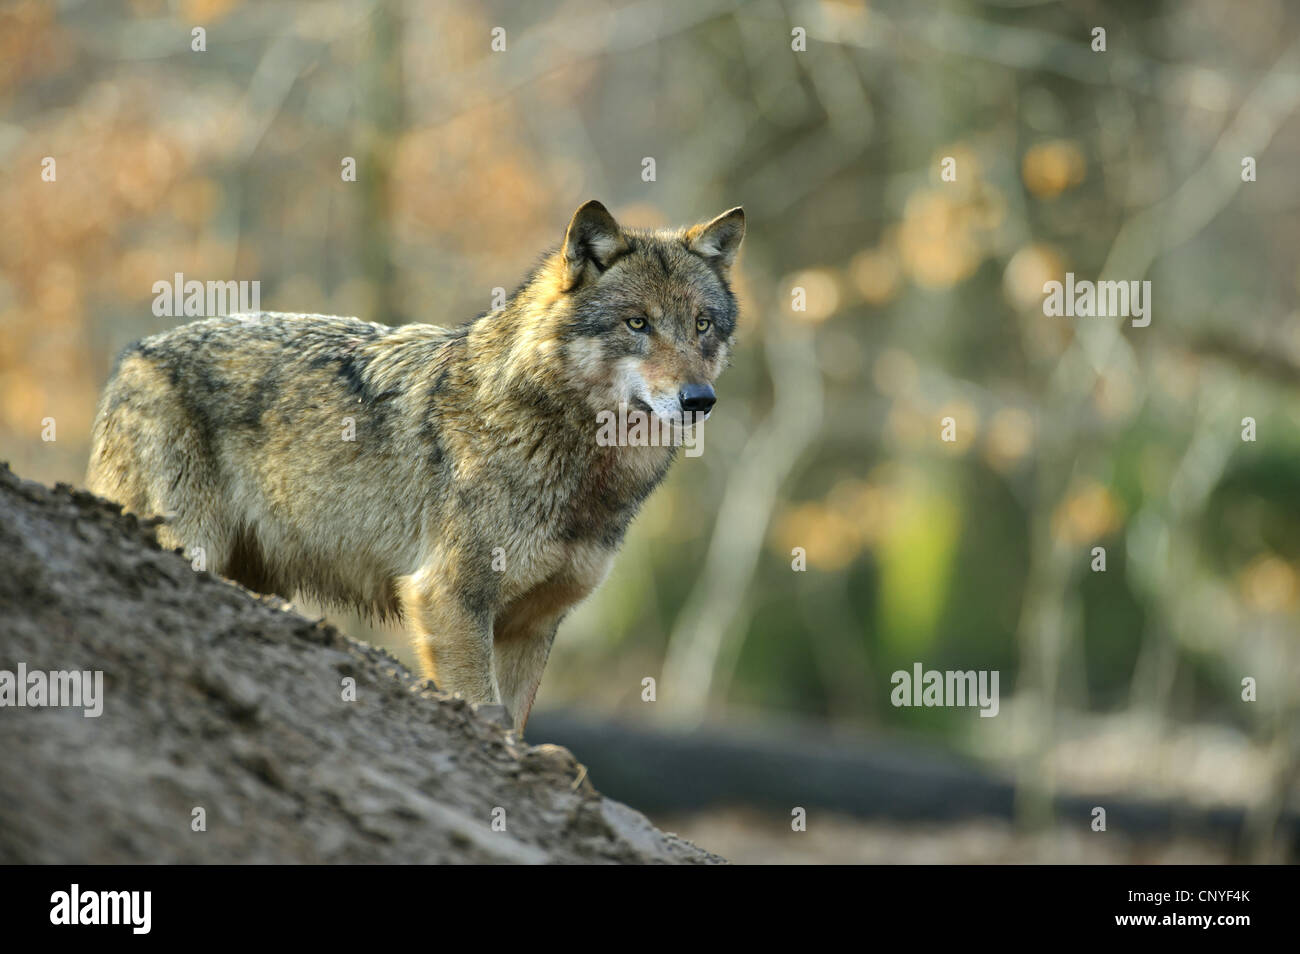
[{"x": 217, "y": 700}]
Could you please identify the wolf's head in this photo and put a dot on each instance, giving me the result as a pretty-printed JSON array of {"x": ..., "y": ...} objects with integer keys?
[{"x": 646, "y": 317}]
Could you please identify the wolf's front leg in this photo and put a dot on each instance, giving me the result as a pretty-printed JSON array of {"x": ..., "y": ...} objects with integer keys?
[
  {"x": 522, "y": 648},
  {"x": 524, "y": 631},
  {"x": 453, "y": 639}
]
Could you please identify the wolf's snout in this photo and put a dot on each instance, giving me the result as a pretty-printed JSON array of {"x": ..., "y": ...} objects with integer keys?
[{"x": 697, "y": 398}]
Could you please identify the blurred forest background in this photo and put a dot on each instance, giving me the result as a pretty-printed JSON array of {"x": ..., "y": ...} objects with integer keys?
[{"x": 923, "y": 301}]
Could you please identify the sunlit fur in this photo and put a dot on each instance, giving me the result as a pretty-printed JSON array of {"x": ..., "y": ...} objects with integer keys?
[{"x": 475, "y": 501}]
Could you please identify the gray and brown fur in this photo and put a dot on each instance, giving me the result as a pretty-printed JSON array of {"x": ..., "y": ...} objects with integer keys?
[{"x": 467, "y": 440}]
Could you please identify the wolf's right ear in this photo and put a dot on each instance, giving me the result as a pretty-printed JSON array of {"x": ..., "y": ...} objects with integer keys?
[{"x": 593, "y": 239}]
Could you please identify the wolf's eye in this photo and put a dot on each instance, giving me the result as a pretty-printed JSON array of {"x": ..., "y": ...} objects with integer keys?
[
  {"x": 702, "y": 325},
  {"x": 636, "y": 324}
]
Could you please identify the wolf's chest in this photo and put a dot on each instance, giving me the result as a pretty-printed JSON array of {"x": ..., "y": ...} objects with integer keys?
[
  {"x": 560, "y": 567},
  {"x": 610, "y": 491},
  {"x": 566, "y": 523}
]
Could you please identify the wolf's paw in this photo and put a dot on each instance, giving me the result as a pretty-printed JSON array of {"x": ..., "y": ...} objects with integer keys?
[{"x": 494, "y": 713}]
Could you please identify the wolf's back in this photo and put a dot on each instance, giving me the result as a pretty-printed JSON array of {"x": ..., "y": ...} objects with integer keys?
[
  {"x": 234, "y": 427},
  {"x": 197, "y": 383}
]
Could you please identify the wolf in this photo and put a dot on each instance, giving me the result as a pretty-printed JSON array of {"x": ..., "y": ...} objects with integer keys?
[{"x": 449, "y": 477}]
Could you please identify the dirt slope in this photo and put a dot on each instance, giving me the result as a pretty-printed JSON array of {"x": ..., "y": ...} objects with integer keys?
[{"x": 220, "y": 700}]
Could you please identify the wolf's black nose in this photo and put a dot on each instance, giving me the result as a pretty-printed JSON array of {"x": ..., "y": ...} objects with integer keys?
[{"x": 697, "y": 398}]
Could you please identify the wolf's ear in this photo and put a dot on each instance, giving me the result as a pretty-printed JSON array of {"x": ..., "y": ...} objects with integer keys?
[
  {"x": 593, "y": 238},
  {"x": 719, "y": 240}
]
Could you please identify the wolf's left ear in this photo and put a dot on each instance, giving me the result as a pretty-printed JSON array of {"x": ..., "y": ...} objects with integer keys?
[
  {"x": 593, "y": 238},
  {"x": 719, "y": 240}
]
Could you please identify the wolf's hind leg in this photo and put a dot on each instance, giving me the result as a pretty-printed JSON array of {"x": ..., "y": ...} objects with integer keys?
[{"x": 147, "y": 455}]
